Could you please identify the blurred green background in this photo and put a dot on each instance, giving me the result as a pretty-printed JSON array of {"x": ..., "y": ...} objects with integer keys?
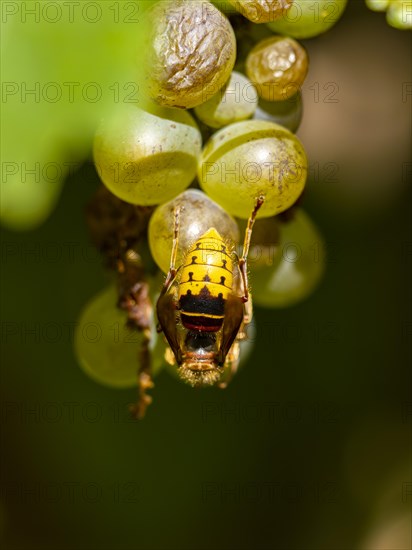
[{"x": 310, "y": 446}]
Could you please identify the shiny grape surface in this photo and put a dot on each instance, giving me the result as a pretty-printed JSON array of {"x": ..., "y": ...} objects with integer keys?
[
  {"x": 309, "y": 18},
  {"x": 236, "y": 101},
  {"x": 147, "y": 158},
  {"x": 191, "y": 52},
  {"x": 286, "y": 113},
  {"x": 106, "y": 349},
  {"x": 378, "y": 5},
  {"x": 198, "y": 213},
  {"x": 297, "y": 268},
  {"x": 252, "y": 158},
  {"x": 399, "y": 14},
  {"x": 278, "y": 67}
]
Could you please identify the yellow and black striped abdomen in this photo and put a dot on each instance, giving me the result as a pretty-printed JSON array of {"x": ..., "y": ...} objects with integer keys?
[{"x": 205, "y": 283}]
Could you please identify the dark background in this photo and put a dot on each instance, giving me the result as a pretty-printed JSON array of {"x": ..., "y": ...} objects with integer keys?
[{"x": 310, "y": 446}]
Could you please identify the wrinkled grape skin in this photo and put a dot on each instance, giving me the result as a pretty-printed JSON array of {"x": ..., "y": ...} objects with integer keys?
[
  {"x": 198, "y": 213},
  {"x": 261, "y": 11},
  {"x": 278, "y": 67},
  {"x": 236, "y": 101},
  {"x": 297, "y": 268},
  {"x": 302, "y": 20},
  {"x": 191, "y": 52},
  {"x": 252, "y": 158},
  {"x": 113, "y": 358},
  {"x": 286, "y": 113},
  {"x": 147, "y": 158}
]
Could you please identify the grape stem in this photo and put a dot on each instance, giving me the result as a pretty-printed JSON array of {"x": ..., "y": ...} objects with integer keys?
[{"x": 116, "y": 229}]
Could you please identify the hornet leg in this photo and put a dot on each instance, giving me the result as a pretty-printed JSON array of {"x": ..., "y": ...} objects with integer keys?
[{"x": 246, "y": 245}]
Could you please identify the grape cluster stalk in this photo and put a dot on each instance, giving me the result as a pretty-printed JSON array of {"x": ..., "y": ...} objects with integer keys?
[{"x": 223, "y": 103}]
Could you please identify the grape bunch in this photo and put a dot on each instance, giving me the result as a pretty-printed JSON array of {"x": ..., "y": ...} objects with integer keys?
[{"x": 215, "y": 132}]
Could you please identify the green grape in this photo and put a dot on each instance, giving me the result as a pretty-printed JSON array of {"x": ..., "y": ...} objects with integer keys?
[
  {"x": 378, "y": 5},
  {"x": 225, "y": 6},
  {"x": 399, "y": 14},
  {"x": 252, "y": 158},
  {"x": 278, "y": 67},
  {"x": 58, "y": 71},
  {"x": 261, "y": 11},
  {"x": 198, "y": 213},
  {"x": 146, "y": 157},
  {"x": 297, "y": 268},
  {"x": 264, "y": 245},
  {"x": 26, "y": 201},
  {"x": 106, "y": 349},
  {"x": 286, "y": 113},
  {"x": 309, "y": 18},
  {"x": 191, "y": 52},
  {"x": 236, "y": 101}
]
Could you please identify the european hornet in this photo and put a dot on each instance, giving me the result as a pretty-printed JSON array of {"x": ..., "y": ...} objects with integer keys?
[{"x": 205, "y": 305}]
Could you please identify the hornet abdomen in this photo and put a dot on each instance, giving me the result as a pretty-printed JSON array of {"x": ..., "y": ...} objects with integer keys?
[{"x": 205, "y": 282}]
